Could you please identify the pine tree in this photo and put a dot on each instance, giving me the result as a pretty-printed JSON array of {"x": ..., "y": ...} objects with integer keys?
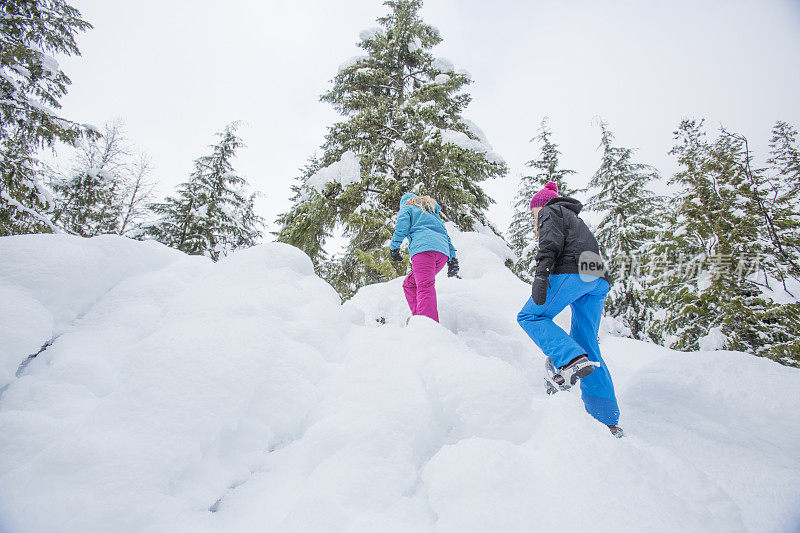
[
  {"x": 31, "y": 85},
  {"x": 210, "y": 215},
  {"x": 776, "y": 194},
  {"x": 105, "y": 189},
  {"x": 89, "y": 203},
  {"x": 739, "y": 240},
  {"x": 547, "y": 165},
  {"x": 715, "y": 243},
  {"x": 402, "y": 131},
  {"x": 522, "y": 231},
  {"x": 675, "y": 294},
  {"x": 779, "y": 201},
  {"x": 783, "y": 229},
  {"x": 632, "y": 216}
]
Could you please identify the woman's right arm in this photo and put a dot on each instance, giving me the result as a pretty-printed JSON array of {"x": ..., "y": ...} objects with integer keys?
[{"x": 551, "y": 243}]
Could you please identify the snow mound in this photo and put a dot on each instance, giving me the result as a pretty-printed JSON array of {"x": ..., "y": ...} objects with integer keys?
[
  {"x": 47, "y": 282},
  {"x": 184, "y": 395},
  {"x": 166, "y": 390}
]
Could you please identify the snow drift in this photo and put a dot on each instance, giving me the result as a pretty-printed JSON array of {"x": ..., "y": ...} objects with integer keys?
[{"x": 178, "y": 394}]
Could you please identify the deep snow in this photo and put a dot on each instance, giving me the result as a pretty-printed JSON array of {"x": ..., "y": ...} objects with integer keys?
[{"x": 183, "y": 395}]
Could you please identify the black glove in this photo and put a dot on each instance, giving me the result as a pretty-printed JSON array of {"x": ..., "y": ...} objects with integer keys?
[
  {"x": 543, "y": 267},
  {"x": 452, "y": 267},
  {"x": 395, "y": 256},
  {"x": 539, "y": 289}
]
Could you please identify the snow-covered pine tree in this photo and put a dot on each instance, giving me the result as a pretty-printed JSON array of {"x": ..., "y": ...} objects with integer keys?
[
  {"x": 780, "y": 202},
  {"x": 674, "y": 294},
  {"x": 211, "y": 214},
  {"x": 776, "y": 193},
  {"x": 89, "y": 203},
  {"x": 402, "y": 131},
  {"x": 31, "y": 84},
  {"x": 740, "y": 239},
  {"x": 105, "y": 189},
  {"x": 708, "y": 299},
  {"x": 632, "y": 217},
  {"x": 783, "y": 228},
  {"x": 522, "y": 231}
]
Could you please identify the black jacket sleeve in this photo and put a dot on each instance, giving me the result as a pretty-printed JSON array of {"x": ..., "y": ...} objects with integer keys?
[{"x": 551, "y": 240}]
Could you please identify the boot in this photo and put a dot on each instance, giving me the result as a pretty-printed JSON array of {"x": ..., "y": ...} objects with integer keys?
[{"x": 569, "y": 374}]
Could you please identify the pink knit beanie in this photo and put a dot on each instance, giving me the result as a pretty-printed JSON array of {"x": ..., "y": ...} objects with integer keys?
[{"x": 541, "y": 198}]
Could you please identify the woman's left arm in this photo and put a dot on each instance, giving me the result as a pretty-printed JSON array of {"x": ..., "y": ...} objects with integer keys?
[{"x": 401, "y": 228}]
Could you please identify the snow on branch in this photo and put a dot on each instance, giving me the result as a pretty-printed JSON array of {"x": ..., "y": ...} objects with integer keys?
[
  {"x": 346, "y": 171},
  {"x": 443, "y": 65},
  {"x": 464, "y": 141},
  {"x": 355, "y": 60},
  {"x": 369, "y": 34}
]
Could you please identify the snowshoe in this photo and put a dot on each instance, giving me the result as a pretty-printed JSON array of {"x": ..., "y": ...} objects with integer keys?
[
  {"x": 550, "y": 386},
  {"x": 616, "y": 431},
  {"x": 568, "y": 375}
]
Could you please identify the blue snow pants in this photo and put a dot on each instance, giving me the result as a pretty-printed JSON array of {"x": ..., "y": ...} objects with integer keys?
[{"x": 586, "y": 298}]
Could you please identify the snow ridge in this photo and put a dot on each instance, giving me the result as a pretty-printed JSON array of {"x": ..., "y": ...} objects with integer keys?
[{"x": 239, "y": 395}]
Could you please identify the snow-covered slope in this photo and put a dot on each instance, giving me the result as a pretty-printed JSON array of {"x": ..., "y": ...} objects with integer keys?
[{"x": 182, "y": 395}]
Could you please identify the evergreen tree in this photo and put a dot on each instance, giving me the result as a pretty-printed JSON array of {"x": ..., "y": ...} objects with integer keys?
[
  {"x": 89, "y": 203},
  {"x": 739, "y": 240},
  {"x": 716, "y": 239},
  {"x": 31, "y": 85},
  {"x": 522, "y": 231},
  {"x": 689, "y": 234},
  {"x": 402, "y": 131},
  {"x": 105, "y": 189},
  {"x": 779, "y": 200},
  {"x": 632, "y": 216},
  {"x": 210, "y": 215},
  {"x": 776, "y": 192}
]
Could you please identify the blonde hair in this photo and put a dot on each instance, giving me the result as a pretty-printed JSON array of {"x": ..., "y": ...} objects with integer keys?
[{"x": 423, "y": 202}]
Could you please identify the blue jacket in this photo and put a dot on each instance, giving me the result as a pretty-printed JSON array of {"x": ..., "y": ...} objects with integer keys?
[{"x": 425, "y": 231}]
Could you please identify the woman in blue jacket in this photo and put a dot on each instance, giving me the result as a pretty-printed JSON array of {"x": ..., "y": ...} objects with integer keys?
[{"x": 430, "y": 248}]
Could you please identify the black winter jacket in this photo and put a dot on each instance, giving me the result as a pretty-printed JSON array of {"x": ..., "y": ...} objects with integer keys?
[{"x": 563, "y": 237}]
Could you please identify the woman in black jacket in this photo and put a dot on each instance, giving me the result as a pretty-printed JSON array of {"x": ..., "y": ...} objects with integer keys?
[{"x": 570, "y": 271}]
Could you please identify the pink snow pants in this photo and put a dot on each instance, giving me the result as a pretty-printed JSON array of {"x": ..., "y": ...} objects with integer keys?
[{"x": 419, "y": 284}]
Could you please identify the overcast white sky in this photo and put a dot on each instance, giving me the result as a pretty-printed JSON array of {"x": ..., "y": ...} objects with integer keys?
[{"x": 179, "y": 70}]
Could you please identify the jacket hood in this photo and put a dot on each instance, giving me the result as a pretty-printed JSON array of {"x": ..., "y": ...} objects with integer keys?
[
  {"x": 570, "y": 203},
  {"x": 405, "y": 198}
]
